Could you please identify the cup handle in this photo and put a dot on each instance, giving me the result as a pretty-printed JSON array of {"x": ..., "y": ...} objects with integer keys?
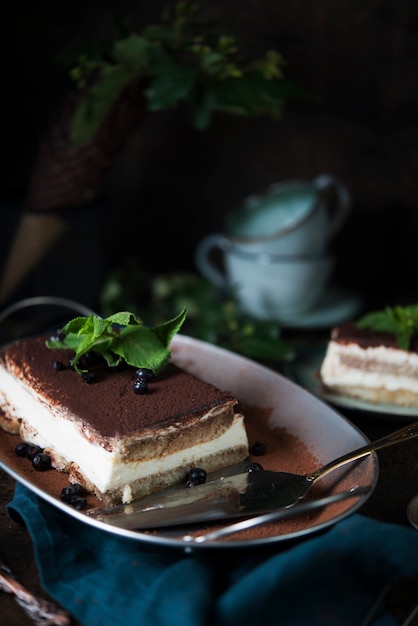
[
  {"x": 342, "y": 208},
  {"x": 203, "y": 259}
]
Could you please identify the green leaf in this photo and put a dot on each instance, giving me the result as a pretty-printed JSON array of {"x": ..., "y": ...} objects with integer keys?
[
  {"x": 167, "y": 330},
  {"x": 139, "y": 347},
  {"x": 158, "y": 32},
  {"x": 253, "y": 94},
  {"x": 124, "y": 318},
  {"x": 184, "y": 60},
  {"x": 399, "y": 321},
  {"x": 166, "y": 89},
  {"x": 213, "y": 63},
  {"x": 380, "y": 321},
  {"x": 97, "y": 103},
  {"x": 133, "y": 52},
  {"x": 120, "y": 337}
]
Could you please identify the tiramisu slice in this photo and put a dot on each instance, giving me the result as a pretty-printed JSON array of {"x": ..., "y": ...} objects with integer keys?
[
  {"x": 375, "y": 358},
  {"x": 115, "y": 431}
]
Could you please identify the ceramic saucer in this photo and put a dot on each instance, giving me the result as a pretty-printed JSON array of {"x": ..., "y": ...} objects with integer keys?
[{"x": 336, "y": 306}]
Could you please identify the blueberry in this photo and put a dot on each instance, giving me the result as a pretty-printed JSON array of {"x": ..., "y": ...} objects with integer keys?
[
  {"x": 58, "y": 366},
  {"x": 88, "y": 377},
  {"x": 197, "y": 475},
  {"x": 77, "y": 489},
  {"x": 22, "y": 449},
  {"x": 254, "y": 467},
  {"x": 144, "y": 373},
  {"x": 41, "y": 462},
  {"x": 60, "y": 334},
  {"x": 66, "y": 493},
  {"x": 32, "y": 451},
  {"x": 78, "y": 502},
  {"x": 91, "y": 357},
  {"x": 190, "y": 483},
  {"x": 258, "y": 449},
  {"x": 140, "y": 386},
  {"x": 72, "y": 491}
]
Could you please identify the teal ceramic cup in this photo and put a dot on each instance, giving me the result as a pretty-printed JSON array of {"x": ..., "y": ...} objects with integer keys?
[
  {"x": 268, "y": 286},
  {"x": 290, "y": 218},
  {"x": 274, "y": 253}
]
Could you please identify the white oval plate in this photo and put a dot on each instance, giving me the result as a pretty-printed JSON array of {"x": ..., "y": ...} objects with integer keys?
[{"x": 296, "y": 424}]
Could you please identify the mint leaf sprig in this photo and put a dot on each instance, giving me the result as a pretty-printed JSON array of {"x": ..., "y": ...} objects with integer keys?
[
  {"x": 182, "y": 60},
  {"x": 119, "y": 338},
  {"x": 398, "y": 320}
]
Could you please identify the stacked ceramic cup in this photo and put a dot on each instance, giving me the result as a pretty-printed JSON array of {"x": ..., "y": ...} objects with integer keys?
[{"x": 276, "y": 252}]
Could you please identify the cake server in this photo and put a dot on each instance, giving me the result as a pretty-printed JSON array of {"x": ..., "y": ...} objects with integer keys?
[
  {"x": 241, "y": 494},
  {"x": 301, "y": 508}
]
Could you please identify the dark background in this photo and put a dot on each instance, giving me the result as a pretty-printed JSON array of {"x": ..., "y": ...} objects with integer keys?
[{"x": 170, "y": 185}]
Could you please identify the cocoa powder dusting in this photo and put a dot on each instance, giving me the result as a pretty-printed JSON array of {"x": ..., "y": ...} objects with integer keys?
[{"x": 109, "y": 407}]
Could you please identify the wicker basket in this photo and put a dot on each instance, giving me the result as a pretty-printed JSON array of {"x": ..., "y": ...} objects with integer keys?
[{"x": 65, "y": 176}]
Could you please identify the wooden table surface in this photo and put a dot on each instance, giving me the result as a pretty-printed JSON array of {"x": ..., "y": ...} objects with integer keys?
[{"x": 397, "y": 483}]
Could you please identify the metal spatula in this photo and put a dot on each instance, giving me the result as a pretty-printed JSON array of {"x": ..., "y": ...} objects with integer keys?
[{"x": 240, "y": 495}]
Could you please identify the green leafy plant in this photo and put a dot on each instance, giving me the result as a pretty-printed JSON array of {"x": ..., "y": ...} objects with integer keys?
[
  {"x": 398, "y": 320},
  {"x": 181, "y": 60},
  {"x": 119, "y": 338},
  {"x": 211, "y": 316}
]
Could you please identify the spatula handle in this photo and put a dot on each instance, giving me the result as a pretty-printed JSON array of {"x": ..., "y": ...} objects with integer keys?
[{"x": 399, "y": 436}]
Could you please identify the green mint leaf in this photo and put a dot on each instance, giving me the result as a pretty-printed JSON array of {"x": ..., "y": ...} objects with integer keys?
[
  {"x": 124, "y": 318},
  {"x": 133, "y": 52},
  {"x": 399, "y": 321},
  {"x": 139, "y": 347},
  {"x": 166, "y": 331},
  {"x": 120, "y": 337},
  {"x": 168, "y": 88},
  {"x": 178, "y": 61}
]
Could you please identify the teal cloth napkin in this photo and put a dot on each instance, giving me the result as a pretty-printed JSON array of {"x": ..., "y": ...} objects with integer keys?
[{"x": 329, "y": 578}]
